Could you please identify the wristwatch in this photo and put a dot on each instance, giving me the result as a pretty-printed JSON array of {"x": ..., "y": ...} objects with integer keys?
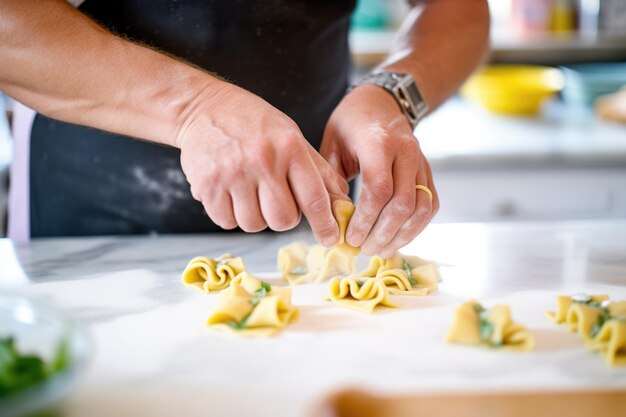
[{"x": 403, "y": 88}]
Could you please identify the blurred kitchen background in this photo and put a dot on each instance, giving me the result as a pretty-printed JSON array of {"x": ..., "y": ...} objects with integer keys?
[{"x": 538, "y": 134}]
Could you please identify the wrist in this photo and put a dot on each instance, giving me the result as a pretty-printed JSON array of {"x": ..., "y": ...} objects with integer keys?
[
  {"x": 403, "y": 88},
  {"x": 197, "y": 95},
  {"x": 374, "y": 94}
]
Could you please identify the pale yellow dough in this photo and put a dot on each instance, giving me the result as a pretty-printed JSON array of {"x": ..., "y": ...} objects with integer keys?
[
  {"x": 584, "y": 319},
  {"x": 391, "y": 271},
  {"x": 465, "y": 328},
  {"x": 611, "y": 342},
  {"x": 300, "y": 263},
  {"x": 268, "y": 316},
  {"x": 564, "y": 302},
  {"x": 212, "y": 274},
  {"x": 360, "y": 295}
]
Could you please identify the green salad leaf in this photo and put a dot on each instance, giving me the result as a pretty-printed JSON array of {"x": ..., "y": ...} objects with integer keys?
[{"x": 19, "y": 371}]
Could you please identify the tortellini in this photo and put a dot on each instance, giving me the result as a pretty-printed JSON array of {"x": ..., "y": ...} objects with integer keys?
[
  {"x": 212, "y": 274},
  {"x": 250, "y": 307},
  {"x": 304, "y": 264},
  {"x": 300, "y": 263},
  {"x": 360, "y": 295},
  {"x": 601, "y": 324},
  {"x": 494, "y": 328},
  {"x": 611, "y": 341},
  {"x": 404, "y": 275},
  {"x": 564, "y": 302}
]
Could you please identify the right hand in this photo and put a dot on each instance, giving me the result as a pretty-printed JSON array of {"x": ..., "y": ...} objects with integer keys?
[{"x": 250, "y": 166}]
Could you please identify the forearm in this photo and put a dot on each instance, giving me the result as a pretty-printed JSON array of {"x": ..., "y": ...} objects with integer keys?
[
  {"x": 61, "y": 63},
  {"x": 441, "y": 42}
]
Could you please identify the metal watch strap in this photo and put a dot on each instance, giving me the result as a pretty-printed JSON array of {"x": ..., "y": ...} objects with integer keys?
[{"x": 403, "y": 88}]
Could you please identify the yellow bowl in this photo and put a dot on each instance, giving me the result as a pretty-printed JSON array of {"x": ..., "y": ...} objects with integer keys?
[{"x": 513, "y": 89}]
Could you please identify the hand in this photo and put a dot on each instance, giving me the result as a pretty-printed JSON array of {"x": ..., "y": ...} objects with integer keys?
[
  {"x": 369, "y": 132},
  {"x": 250, "y": 166}
]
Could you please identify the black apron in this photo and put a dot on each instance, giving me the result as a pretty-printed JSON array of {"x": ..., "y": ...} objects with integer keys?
[{"x": 292, "y": 53}]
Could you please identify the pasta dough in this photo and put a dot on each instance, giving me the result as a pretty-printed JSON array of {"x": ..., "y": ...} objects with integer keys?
[
  {"x": 475, "y": 325},
  {"x": 404, "y": 275},
  {"x": 356, "y": 294},
  {"x": 212, "y": 274},
  {"x": 600, "y": 323},
  {"x": 564, "y": 302},
  {"x": 608, "y": 336},
  {"x": 300, "y": 263},
  {"x": 250, "y": 307}
]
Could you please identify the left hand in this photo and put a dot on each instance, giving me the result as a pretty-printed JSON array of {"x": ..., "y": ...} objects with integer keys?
[{"x": 368, "y": 132}]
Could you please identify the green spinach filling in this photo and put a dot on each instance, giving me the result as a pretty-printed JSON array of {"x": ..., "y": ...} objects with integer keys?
[
  {"x": 409, "y": 274},
  {"x": 258, "y": 296},
  {"x": 485, "y": 327}
]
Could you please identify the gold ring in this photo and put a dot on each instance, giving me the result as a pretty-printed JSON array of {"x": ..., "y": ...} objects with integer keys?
[{"x": 425, "y": 189}]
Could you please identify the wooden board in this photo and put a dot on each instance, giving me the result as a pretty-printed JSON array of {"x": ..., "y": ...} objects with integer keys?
[{"x": 605, "y": 403}]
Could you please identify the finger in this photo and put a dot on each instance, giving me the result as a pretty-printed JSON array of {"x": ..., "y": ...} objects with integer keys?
[
  {"x": 376, "y": 191},
  {"x": 312, "y": 197},
  {"x": 401, "y": 206},
  {"x": 334, "y": 178},
  {"x": 246, "y": 208},
  {"x": 277, "y": 205},
  {"x": 330, "y": 152},
  {"x": 220, "y": 209},
  {"x": 425, "y": 209}
]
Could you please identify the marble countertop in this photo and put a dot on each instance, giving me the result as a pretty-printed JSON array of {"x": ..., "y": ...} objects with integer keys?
[{"x": 154, "y": 357}]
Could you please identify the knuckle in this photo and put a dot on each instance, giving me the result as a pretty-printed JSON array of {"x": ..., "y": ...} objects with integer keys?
[
  {"x": 266, "y": 163},
  {"x": 403, "y": 205},
  {"x": 291, "y": 144},
  {"x": 420, "y": 217},
  {"x": 381, "y": 191},
  {"x": 326, "y": 230},
  {"x": 194, "y": 193},
  {"x": 317, "y": 203},
  {"x": 409, "y": 147}
]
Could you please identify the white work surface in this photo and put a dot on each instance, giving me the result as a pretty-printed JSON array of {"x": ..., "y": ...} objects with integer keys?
[
  {"x": 462, "y": 134},
  {"x": 154, "y": 357}
]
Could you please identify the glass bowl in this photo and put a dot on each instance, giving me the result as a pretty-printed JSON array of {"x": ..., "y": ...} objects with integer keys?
[{"x": 41, "y": 330}]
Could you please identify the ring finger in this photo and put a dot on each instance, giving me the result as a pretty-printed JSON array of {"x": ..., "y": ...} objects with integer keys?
[{"x": 246, "y": 208}]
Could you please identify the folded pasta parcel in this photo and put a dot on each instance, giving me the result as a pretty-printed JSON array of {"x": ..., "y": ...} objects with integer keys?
[
  {"x": 578, "y": 312},
  {"x": 300, "y": 263},
  {"x": 473, "y": 324},
  {"x": 212, "y": 274},
  {"x": 608, "y": 336},
  {"x": 250, "y": 307},
  {"x": 357, "y": 294},
  {"x": 404, "y": 275}
]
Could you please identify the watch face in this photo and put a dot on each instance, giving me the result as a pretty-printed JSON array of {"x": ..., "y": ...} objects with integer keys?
[{"x": 415, "y": 95}]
